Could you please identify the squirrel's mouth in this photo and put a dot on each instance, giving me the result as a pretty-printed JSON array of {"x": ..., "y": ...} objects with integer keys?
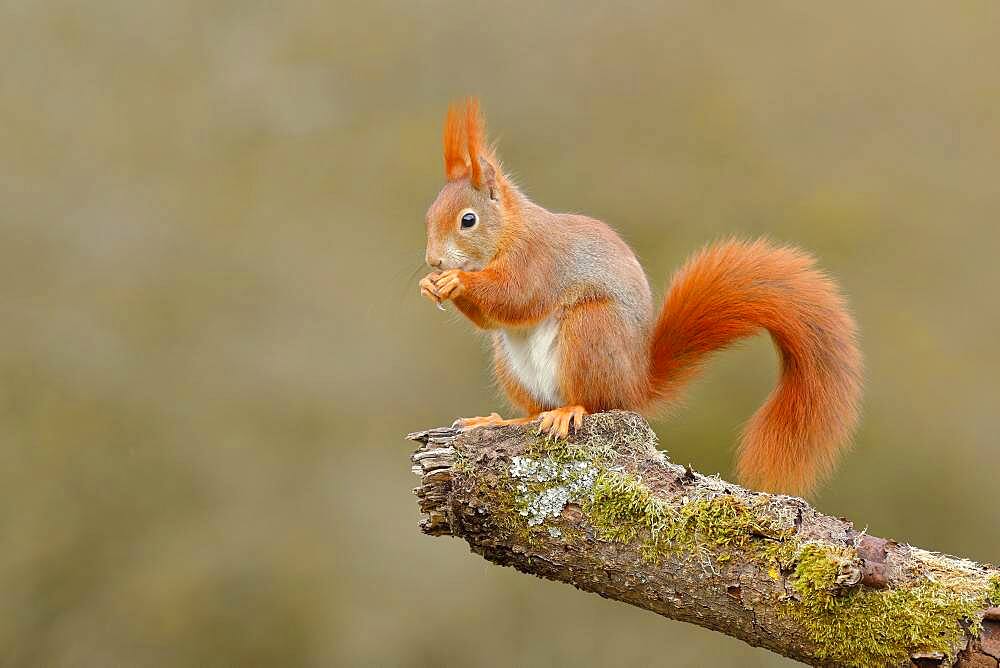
[{"x": 462, "y": 264}]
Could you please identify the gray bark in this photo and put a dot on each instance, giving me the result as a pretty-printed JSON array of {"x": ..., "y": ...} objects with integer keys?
[{"x": 608, "y": 513}]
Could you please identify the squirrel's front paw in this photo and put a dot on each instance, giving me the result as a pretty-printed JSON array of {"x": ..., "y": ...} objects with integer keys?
[
  {"x": 427, "y": 288},
  {"x": 449, "y": 285}
]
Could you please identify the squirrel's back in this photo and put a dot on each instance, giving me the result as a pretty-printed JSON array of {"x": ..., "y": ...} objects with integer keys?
[{"x": 592, "y": 261}]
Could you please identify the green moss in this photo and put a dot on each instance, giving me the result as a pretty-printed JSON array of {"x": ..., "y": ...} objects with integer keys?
[
  {"x": 502, "y": 500},
  {"x": 816, "y": 573},
  {"x": 778, "y": 552},
  {"x": 721, "y": 521},
  {"x": 993, "y": 591},
  {"x": 563, "y": 451},
  {"x": 622, "y": 509},
  {"x": 860, "y": 626}
]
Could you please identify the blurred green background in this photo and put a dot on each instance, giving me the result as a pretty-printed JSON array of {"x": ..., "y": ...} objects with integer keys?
[{"x": 211, "y": 228}]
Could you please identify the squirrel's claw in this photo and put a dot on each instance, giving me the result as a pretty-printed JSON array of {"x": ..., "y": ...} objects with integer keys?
[{"x": 557, "y": 422}]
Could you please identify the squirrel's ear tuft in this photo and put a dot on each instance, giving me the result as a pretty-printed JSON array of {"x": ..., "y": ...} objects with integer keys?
[
  {"x": 482, "y": 159},
  {"x": 466, "y": 152},
  {"x": 474, "y": 132},
  {"x": 454, "y": 144}
]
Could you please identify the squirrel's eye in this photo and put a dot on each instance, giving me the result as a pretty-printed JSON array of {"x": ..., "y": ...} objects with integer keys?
[{"x": 468, "y": 220}]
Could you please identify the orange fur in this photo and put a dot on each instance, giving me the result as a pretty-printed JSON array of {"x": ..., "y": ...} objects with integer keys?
[
  {"x": 522, "y": 266},
  {"x": 600, "y": 369},
  {"x": 734, "y": 289},
  {"x": 454, "y": 144},
  {"x": 465, "y": 148},
  {"x": 474, "y": 133}
]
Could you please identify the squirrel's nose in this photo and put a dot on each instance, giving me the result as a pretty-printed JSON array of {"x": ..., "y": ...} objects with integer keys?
[{"x": 433, "y": 262}]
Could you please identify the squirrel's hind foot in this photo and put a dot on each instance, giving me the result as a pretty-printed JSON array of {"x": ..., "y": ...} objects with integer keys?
[
  {"x": 557, "y": 422},
  {"x": 491, "y": 420}
]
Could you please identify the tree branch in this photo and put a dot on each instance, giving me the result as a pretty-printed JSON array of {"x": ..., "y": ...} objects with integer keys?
[{"x": 607, "y": 512}]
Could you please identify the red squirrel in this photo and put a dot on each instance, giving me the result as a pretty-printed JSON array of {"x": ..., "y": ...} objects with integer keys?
[{"x": 574, "y": 331}]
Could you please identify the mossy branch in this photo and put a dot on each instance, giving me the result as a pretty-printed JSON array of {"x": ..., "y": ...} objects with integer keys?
[{"x": 607, "y": 512}]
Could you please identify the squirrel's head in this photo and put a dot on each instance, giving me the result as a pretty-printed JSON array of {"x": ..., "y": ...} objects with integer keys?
[{"x": 467, "y": 221}]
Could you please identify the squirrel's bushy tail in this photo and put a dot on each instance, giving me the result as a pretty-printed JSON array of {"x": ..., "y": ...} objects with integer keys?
[{"x": 731, "y": 290}]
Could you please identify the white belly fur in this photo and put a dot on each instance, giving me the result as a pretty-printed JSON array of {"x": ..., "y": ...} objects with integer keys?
[{"x": 533, "y": 356}]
